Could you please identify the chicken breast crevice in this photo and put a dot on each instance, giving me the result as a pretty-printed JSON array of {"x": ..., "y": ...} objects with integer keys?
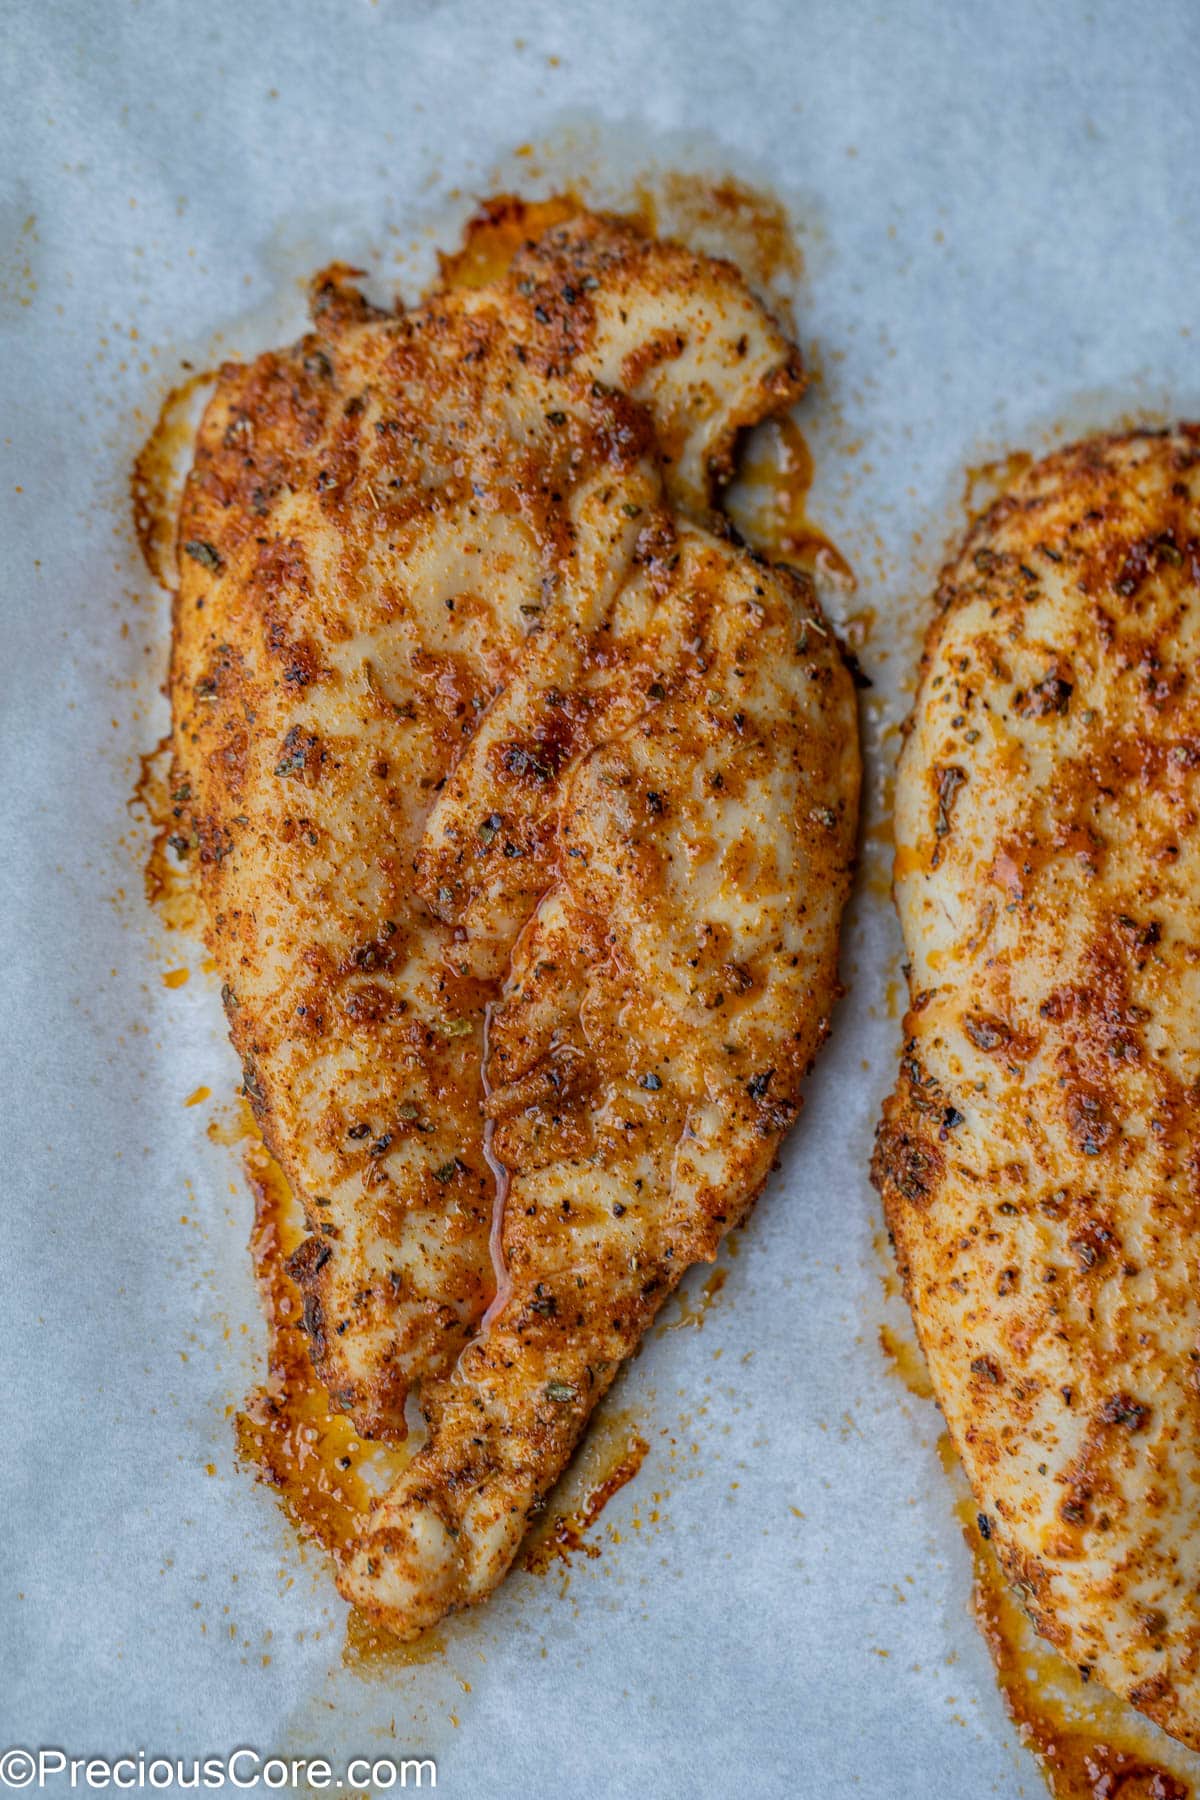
[{"x": 1037, "y": 1159}]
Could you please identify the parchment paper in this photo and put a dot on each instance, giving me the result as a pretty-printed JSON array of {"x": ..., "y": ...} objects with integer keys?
[{"x": 997, "y": 206}]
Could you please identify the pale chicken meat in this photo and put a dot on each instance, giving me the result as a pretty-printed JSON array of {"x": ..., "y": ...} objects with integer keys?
[
  {"x": 435, "y": 564},
  {"x": 1038, "y": 1158}
]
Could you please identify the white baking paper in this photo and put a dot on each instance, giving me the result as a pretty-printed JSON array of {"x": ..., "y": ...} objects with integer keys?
[{"x": 997, "y": 208}]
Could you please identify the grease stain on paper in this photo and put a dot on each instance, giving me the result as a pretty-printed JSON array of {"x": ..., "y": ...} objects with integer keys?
[{"x": 1088, "y": 1744}]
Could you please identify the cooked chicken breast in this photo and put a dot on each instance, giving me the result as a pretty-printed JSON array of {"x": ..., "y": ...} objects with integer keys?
[
  {"x": 1038, "y": 1160},
  {"x": 665, "y": 1001},
  {"x": 433, "y": 564}
]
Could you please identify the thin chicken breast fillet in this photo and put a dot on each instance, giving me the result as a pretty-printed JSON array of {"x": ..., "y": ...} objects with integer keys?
[
  {"x": 664, "y": 1002},
  {"x": 1038, "y": 1159},
  {"x": 433, "y": 564}
]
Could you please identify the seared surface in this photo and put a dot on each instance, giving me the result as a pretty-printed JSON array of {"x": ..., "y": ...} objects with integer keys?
[
  {"x": 1037, "y": 1159},
  {"x": 493, "y": 501},
  {"x": 662, "y": 1007}
]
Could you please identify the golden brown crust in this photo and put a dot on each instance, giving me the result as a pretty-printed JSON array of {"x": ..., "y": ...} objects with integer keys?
[
  {"x": 437, "y": 567},
  {"x": 1036, "y": 1159}
]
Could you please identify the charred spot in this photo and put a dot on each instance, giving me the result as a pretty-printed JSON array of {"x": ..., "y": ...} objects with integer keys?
[
  {"x": 252, "y": 1087},
  {"x": 951, "y": 1119},
  {"x": 378, "y": 954},
  {"x": 333, "y": 298},
  {"x": 313, "y": 1322},
  {"x": 1145, "y": 1695},
  {"x": 777, "y": 1116},
  {"x": 1050, "y": 696},
  {"x": 1144, "y": 558},
  {"x": 737, "y": 976},
  {"x": 204, "y": 553},
  {"x": 306, "y": 1263},
  {"x": 1123, "y": 1409},
  {"x": 300, "y": 755},
  {"x": 946, "y": 783},
  {"x": 1143, "y": 936},
  {"x": 905, "y": 1164},
  {"x": 1091, "y": 1246},
  {"x": 1088, "y": 1123},
  {"x": 525, "y": 763},
  {"x": 758, "y": 1085},
  {"x": 988, "y": 1369},
  {"x": 986, "y": 1032},
  {"x": 318, "y": 365}
]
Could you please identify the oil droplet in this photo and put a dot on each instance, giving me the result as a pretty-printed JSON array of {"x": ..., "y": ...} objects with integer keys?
[
  {"x": 611, "y": 1456},
  {"x": 237, "y": 1128},
  {"x": 768, "y": 503},
  {"x": 370, "y": 1650},
  {"x": 175, "y": 978},
  {"x": 988, "y": 482},
  {"x": 498, "y": 230},
  {"x": 907, "y": 1360},
  {"x": 689, "y": 1312},
  {"x": 198, "y": 1096}
]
